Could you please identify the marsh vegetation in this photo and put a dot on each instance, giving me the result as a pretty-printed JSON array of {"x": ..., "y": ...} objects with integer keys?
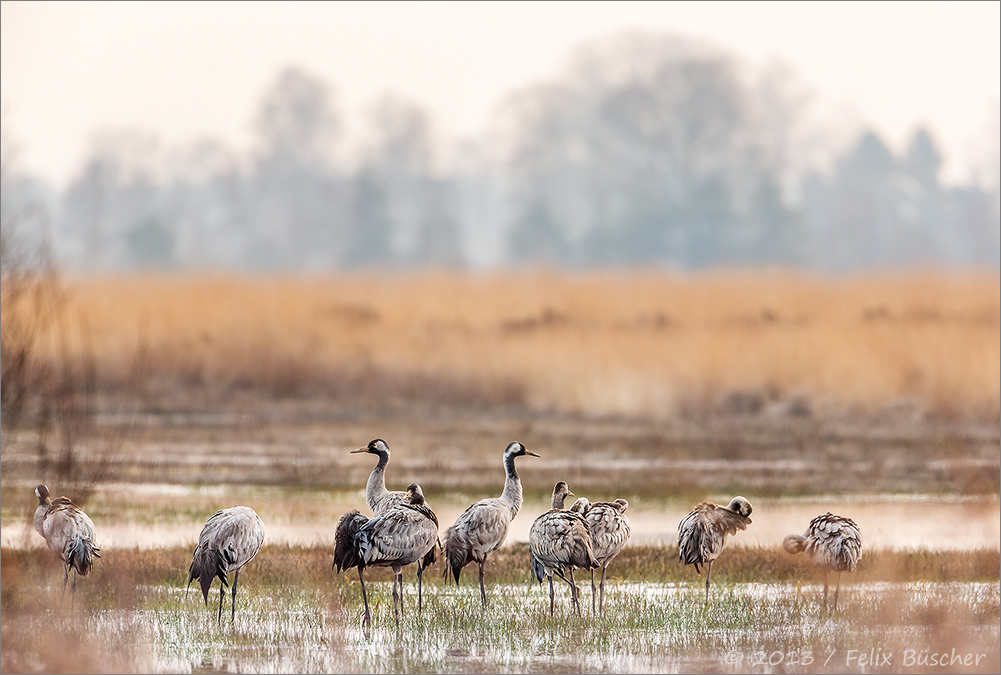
[{"x": 174, "y": 397}]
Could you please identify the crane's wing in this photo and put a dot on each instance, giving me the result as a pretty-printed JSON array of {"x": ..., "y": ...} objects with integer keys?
[
  {"x": 237, "y": 533},
  {"x": 609, "y": 529},
  {"x": 66, "y": 528},
  {"x": 561, "y": 539},
  {"x": 401, "y": 535},
  {"x": 835, "y": 541},
  {"x": 484, "y": 525}
]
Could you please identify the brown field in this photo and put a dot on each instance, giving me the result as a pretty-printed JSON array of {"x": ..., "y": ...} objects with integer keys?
[
  {"x": 154, "y": 401},
  {"x": 636, "y": 344}
]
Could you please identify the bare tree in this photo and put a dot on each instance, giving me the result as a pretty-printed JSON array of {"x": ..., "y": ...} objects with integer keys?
[{"x": 298, "y": 203}]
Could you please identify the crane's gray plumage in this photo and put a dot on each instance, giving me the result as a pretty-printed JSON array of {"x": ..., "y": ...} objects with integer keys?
[
  {"x": 228, "y": 541},
  {"x": 558, "y": 542},
  {"x": 482, "y": 527},
  {"x": 702, "y": 533},
  {"x": 609, "y": 528},
  {"x": 67, "y": 531},
  {"x": 833, "y": 543},
  {"x": 396, "y": 538},
  {"x": 380, "y": 500}
]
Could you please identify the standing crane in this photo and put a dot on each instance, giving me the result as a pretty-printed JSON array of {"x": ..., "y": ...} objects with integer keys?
[
  {"x": 702, "y": 533},
  {"x": 482, "y": 528},
  {"x": 230, "y": 539},
  {"x": 381, "y": 500},
  {"x": 398, "y": 537},
  {"x": 833, "y": 543},
  {"x": 609, "y": 532},
  {"x": 69, "y": 532},
  {"x": 559, "y": 541}
]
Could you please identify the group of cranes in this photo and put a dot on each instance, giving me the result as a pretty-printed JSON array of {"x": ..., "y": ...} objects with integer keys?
[
  {"x": 228, "y": 541},
  {"x": 404, "y": 530}
]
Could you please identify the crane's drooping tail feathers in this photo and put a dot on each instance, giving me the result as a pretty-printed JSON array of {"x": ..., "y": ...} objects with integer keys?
[
  {"x": 82, "y": 554},
  {"x": 538, "y": 569},
  {"x": 690, "y": 546},
  {"x": 456, "y": 551},
  {"x": 206, "y": 566},
  {"x": 430, "y": 557},
  {"x": 345, "y": 550}
]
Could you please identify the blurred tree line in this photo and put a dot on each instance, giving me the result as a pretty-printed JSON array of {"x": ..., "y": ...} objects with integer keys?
[{"x": 649, "y": 151}]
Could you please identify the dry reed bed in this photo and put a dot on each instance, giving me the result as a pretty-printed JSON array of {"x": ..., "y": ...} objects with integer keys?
[{"x": 648, "y": 344}]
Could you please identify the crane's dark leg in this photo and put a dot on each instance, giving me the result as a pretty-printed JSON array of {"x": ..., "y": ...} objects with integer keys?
[
  {"x": 601, "y": 603},
  {"x": 397, "y": 596},
  {"x": 552, "y": 597},
  {"x": 825, "y": 589},
  {"x": 66, "y": 576},
  {"x": 420, "y": 600},
  {"x": 837, "y": 590},
  {"x": 236, "y": 577},
  {"x": 709, "y": 570},
  {"x": 367, "y": 619},
  {"x": 483, "y": 592},
  {"x": 73, "y": 593},
  {"x": 574, "y": 594},
  {"x": 222, "y": 594},
  {"x": 594, "y": 593},
  {"x": 401, "y": 591}
]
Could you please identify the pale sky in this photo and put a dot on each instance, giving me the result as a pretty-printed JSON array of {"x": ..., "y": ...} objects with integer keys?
[{"x": 189, "y": 70}]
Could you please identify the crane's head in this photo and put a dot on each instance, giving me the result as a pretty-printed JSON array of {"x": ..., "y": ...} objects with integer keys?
[
  {"x": 740, "y": 506},
  {"x": 376, "y": 447},
  {"x": 621, "y": 505},
  {"x": 415, "y": 494},
  {"x": 560, "y": 492},
  {"x": 581, "y": 505},
  {"x": 794, "y": 543},
  {"x": 516, "y": 449},
  {"x": 42, "y": 493}
]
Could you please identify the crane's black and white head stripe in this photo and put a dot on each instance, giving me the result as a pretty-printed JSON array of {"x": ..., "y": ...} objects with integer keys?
[
  {"x": 376, "y": 446},
  {"x": 516, "y": 449},
  {"x": 740, "y": 506},
  {"x": 42, "y": 493},
  {"x": 581, "y": 505}
]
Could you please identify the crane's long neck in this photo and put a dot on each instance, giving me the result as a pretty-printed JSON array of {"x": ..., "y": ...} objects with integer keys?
[
  {"x": 376, "y": 488},
  {"x": 40, "y": 518},
  {"x": 512, "y": 486}
]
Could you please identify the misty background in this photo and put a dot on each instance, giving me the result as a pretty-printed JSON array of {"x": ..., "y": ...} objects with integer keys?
[{"x": 649, "y": 150}]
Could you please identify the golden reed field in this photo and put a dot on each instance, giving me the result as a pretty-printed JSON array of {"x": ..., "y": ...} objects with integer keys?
[{"x": 637, "y": 343}]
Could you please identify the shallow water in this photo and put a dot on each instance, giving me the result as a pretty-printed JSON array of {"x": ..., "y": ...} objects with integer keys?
[{"x": 516, "y": 634}]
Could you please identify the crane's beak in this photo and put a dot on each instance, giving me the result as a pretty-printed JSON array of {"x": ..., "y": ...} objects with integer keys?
[
  {"x": 529, "y": 452},
  {"x": 570, "y": 494},
  {"x": 365, "y": 449}
]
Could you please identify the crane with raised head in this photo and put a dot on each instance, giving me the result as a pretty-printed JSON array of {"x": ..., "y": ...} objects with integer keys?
[{"x": 482, "y": 527}]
